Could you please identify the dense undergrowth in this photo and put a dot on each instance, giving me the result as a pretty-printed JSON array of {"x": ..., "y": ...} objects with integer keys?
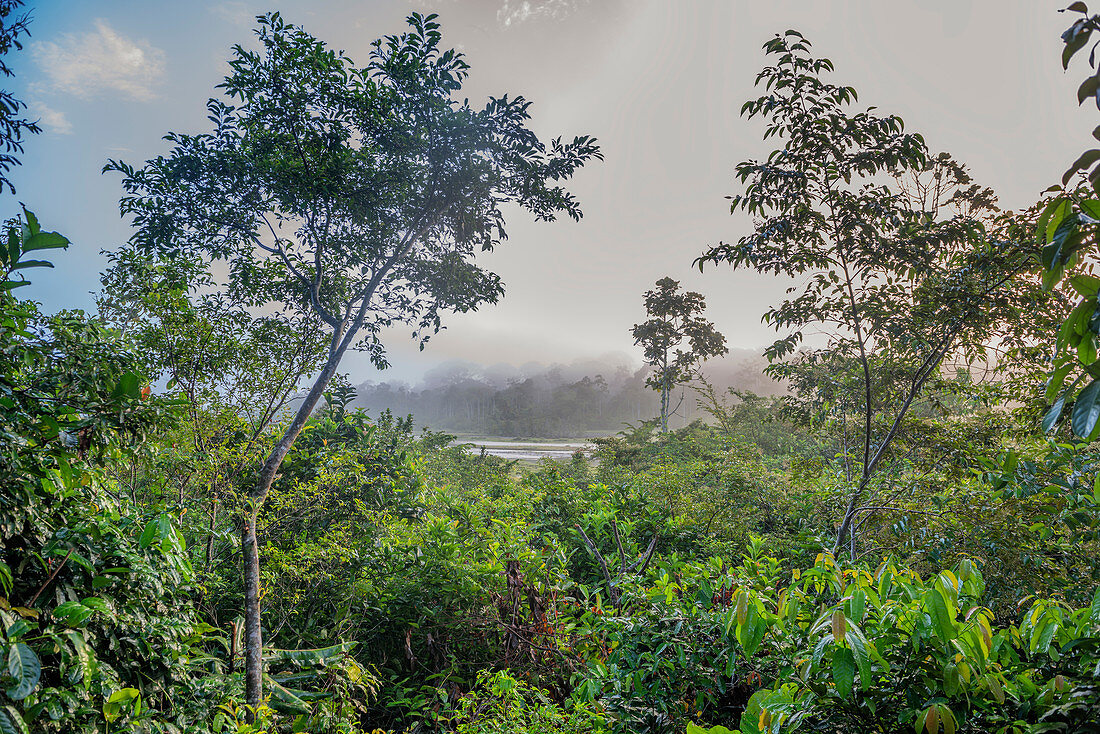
[{"x": 677, "y": 579}]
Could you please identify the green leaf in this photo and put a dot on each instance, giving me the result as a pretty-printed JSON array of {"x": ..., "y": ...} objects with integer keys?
[
  {"x": 857, "y": 604},
  {"x": 1086, "y": 411},
  {"x": 750, "y": 717},
  {"x": 1058, "y": 204},
  {"x": 149, "y": 533},
  {"x": 941, "y": 618},
  {"x": 844, "y": 671},
  {"x": 863, "y": 662},
  {"x": 1073, "y": 45},
  {"x": 72, "y": 613},
  {"x": 1091, "y": 208},
  {"x": 122, "y": 698},
  {"x": 1042, "y": 643},
  {"x": 24, "y": 264},
  {"x": 1087, "y": 158},
  {"x": 1086, "y": 285},
  {"x": 32, "y": 222},
  {"x": 1088, "y": 88},
  {"x": 1056, "y": 380},
  {"x": 11, "y": 722},
  {"x": 716, "y": 729},
  {"x": 25, "y": 668},
  {"x": 46, "y": 241},
  {"x": 284, "y": 699},
  {"x": 750, "y": 631},
  {"x": 129, "y": 386}
]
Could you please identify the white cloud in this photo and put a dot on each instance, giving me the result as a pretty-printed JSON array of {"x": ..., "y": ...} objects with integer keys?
[
  {"x": 85, "y": 64},
  {"x": 52, "y": 120}
]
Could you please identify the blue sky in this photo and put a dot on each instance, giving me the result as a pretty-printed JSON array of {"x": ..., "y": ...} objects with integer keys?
[{"x": 660, "y": 83}]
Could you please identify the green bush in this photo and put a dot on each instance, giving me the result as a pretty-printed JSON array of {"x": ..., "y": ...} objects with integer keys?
[{"x": 501, "y": 704}]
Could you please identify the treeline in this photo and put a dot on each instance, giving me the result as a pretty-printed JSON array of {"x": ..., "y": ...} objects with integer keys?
[{"x": 586, "y": 397}]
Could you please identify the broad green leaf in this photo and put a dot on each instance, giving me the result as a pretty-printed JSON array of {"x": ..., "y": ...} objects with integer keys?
[
  {"x": 284, "y": 699},
  {"x": 1056, "y": 380},
  {"x": 1085, "y": 91},
  {"x": 1091, "y": 207},
  {"x": 72, "y": 613},
  {"x": 941, "y": 618},
  {"x": 120, "y": 699},
  {"x": 31, "y": 222},
  {"x": 1078, "y": 39},
  {"x": 46, "y": 241},
  {"x": 25, "y": 668},
  {"x": 11, "y": 721},
  {"x": 857, "y": 604},
  {"x": 1042, "y": 643},
  {"x": 844, "y": 671},
  {"x": 753, "y": 634},
  {"x": 1086, "y": 411},
  {"x": 1059, "y": 210},
  {"x": 24, "y": 264},
  {"x": 1086, "y": 285},
  {"x": 129, "y": 385},
  {"x": 947, "y": 718},
  {"x": 750, "y": 717},
  {"x": 859, "y": 652},
  {"x": 149, "y": 533},
  {"x": 716, "y": 729}
]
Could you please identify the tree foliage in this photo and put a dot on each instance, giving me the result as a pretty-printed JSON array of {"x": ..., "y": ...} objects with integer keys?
[
  {"x": 675, "y": 322},
  {"x": 900, "y": 276}
]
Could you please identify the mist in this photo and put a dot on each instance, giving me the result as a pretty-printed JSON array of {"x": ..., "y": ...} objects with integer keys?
[{"x": 583, "y": 398}]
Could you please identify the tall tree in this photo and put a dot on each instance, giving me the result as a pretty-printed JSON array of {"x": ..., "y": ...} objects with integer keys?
[
  {"x": 899, "y": 274},
  {"x": 356, "y": 194},
  {"x": 675, "y": 321}
]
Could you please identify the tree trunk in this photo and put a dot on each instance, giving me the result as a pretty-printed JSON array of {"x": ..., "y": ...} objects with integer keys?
[
  {"x": 253, "y": 636},
  {"x": 253, "y": 633},
  {"x": 664, "y": 408}
]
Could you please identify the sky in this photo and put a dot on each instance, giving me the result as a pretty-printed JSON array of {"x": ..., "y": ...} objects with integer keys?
[{"x": 659, "y": 82}]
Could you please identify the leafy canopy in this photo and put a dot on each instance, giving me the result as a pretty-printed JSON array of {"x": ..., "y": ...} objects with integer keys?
[{"x": 360, "y": 193}]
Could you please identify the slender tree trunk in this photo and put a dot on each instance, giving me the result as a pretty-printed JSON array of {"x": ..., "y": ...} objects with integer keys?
[
  {"x": 664, "y": 408},
  {"x": 253, "y": 632},
  {"x": 253, "y": 635}
]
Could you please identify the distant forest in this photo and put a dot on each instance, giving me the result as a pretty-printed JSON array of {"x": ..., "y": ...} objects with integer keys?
[{"x": 583, "y": 399}]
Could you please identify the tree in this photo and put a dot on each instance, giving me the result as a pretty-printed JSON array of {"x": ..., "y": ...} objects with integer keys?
[
  {"x": 1069, "y": 232},
  {"x": 359, "y": 195},
  {"x": 12, "y": 124},
  {"x": 675, "y": 318},
  {"x": 901, "y": 277},
  {"x": 234, "y": 371}
]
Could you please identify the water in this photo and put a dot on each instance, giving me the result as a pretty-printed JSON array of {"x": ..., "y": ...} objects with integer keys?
[{"x": 527, "y": 450}]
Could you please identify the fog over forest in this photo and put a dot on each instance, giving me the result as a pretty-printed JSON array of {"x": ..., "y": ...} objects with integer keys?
[{"x": 583, "y": 398}]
